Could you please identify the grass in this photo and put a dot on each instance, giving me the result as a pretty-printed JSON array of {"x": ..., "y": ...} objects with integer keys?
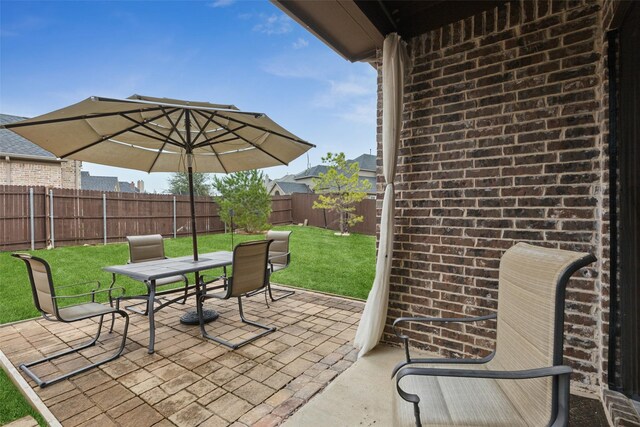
[
  {"x": 320, "y": 260},
  {"x": 12, "y": 404}
]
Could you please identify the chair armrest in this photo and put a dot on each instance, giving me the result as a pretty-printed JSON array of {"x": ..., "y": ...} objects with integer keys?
[
  {"x": 95, "y": 282},
  {"x": 204, "y": 277},
  {"x": 92, "y": 293},
  {"x": 405, "y": 339},
  {"x": 559, "y": 370},
  {"x": 288, "y": 254},
  {"x": 457, "y": 361}
]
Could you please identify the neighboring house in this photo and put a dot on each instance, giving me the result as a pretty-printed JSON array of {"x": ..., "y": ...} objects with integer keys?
[
  {"x": 304, "y": 180},
  {"x": 24, "y": 163},
  {"x": 505, "y": 138},
  {"x": 281, "y": 188},
  {"x": 109, "y": 183}
]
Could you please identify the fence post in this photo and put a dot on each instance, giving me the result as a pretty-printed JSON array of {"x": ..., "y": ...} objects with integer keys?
[
  {"x": 175, "y": 225},
  {"x": 51, "y": 216},
  {"x": 104, "y": 216},
  {"x": 32, "y": 220}
]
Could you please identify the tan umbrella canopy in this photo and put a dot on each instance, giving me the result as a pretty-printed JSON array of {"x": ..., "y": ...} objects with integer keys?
[
  {"x": 163, "y": 135},
  {"x": 156, "y": 134}
]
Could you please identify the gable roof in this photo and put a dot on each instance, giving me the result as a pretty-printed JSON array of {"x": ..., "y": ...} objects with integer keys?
[
  {"x": 293, "y": 187},
  {"x": 367, "y": 162},
  {"x": 12, "y": 144},
  {"x": 313, "y": 171},
  {"x": 98, "y": 183},
  {"x": 127, "y": 187}
]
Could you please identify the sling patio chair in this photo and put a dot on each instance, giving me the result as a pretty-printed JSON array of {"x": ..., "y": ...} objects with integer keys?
[
  {"x": 523, "y": 382},
  {"x": 279, "y": 259},
  {"x": 249, "y": 273},
  {"x": 46, "y": 301},
  {"x": 150, "y": 248}
]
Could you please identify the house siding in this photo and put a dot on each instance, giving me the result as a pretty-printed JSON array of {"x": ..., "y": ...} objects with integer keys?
[
  {"x": 504, "y": 140},
  {"x": 49, "y": 174}
]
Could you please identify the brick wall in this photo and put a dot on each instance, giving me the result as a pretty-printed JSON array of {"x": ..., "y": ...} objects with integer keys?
[
  {"x": 504, "y": 141},
  {"x": 49, "y": 174}
]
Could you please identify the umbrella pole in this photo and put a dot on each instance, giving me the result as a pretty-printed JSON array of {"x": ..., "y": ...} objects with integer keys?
[
  {"x": 201, "y": 315},
  {"x": 194, "y": 234}
]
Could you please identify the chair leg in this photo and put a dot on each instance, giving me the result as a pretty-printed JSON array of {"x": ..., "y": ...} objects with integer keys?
[
  {"x": 283, "y": 294},
  {"x": 25, "y": 366},
  {"x": 267, "y": 329}
]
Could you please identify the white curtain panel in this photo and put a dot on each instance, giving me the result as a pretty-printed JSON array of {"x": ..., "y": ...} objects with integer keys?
[{"x": 394, "y": 62}]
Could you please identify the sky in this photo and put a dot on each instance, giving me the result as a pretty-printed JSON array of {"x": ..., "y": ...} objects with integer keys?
[{"x": 246, "y": 53}]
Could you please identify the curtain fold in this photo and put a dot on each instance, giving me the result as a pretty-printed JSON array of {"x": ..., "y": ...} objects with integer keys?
[{"x": 394, "y": 60}]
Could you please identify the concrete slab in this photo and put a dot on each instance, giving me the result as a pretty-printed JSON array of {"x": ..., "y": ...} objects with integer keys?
[{"x": 361, "y": 396}]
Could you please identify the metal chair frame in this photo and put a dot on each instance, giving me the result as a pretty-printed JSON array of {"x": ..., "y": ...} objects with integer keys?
[
  {"x": 227, "y": 287},
  {"x": 560, "y": 373},
  {"x": 56, "y": 317},
  {"x": 161, "y": 295}
]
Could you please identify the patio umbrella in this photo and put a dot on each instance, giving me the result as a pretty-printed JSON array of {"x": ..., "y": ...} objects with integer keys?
[{"x": 163, "y": 135}]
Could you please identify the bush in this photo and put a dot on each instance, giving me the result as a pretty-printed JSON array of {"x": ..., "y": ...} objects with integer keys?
[{"x": 243, "y": 193}]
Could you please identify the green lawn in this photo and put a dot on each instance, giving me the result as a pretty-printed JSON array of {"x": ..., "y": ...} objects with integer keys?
[
  {"x": 320, "y": 261},
  {"x": 12, "y": 404}
]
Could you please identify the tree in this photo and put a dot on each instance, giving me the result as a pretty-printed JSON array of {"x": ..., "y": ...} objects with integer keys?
[
  {"x": 340, "y": 189},
  {"x": 179, "y": 184},
  {"x": 245, "y": 194}
]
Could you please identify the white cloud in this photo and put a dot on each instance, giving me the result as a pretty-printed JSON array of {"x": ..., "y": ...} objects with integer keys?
[
  {"x": 222, "y": 3},
  {"x": 274, "y": 24},
  {"x": 299, "y": 70},
  {"x": 363, "y": 113},
  {"x": 341, "y": 90},
  {"x": 300, "y": 43}
]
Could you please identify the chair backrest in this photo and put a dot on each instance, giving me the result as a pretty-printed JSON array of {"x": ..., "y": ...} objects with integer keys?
[
  {"x": 41, "y": 283},
  {"x": 279, "y": 249},
  {"x": 145, "y": 248},
  {"x": 249, "y": 267},
  {"x": 531, "y": 294}
]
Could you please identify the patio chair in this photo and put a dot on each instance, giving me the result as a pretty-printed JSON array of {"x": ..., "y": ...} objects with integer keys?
[
  {"x": 279, "y": 259},
  {"x": 46, "y": 302},
  {"x": 149, "y": 248},
  {"x": 249, "y": 274},
  {"x": 523, "y": 382}
]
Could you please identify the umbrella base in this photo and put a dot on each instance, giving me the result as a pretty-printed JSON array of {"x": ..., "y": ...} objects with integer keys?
[{"x": 191, "y": 317}]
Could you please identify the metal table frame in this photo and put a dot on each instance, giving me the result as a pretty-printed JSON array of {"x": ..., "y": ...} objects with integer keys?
[{"x": 150, "y": 271}]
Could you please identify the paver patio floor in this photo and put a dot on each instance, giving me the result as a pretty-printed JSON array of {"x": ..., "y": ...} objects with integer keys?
[{"x": 190, "y": 381}]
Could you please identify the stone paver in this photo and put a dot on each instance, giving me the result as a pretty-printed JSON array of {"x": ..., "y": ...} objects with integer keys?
[{"x": 190, "y": 381}]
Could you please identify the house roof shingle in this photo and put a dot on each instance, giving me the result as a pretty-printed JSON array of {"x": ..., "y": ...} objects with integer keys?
[
  {"x": 98, "y": 183},
  {"x": 13, "y": 144},
  {"x": 293, "y": 187},
  {"x": 312, "y": 171},
  {"x": 367, "y": 162}
]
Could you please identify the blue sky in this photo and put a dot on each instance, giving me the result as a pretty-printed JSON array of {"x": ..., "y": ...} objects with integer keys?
[{"x": 246, "y": 53}]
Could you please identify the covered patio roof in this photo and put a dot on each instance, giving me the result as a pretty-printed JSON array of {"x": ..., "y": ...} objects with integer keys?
[{"x": 356, "y": 28}]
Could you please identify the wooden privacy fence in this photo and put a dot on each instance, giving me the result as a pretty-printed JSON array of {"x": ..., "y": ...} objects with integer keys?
[
  {"x": 36, "y": 217},
  {"x": 302, "y": 208}
]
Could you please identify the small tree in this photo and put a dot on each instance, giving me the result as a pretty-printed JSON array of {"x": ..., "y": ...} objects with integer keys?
[
  {"x": 179, "y": 184},
  {"x": 245, "y": 194},
  {"x": 340, "y": 189}
]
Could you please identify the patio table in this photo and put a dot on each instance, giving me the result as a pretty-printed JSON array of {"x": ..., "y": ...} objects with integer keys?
[{"x": 150, "y": 271}]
